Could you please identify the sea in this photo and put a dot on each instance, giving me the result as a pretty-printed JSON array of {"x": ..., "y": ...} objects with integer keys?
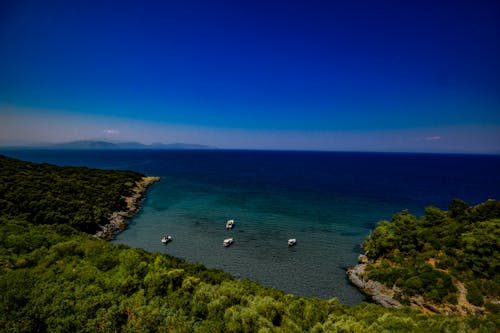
[{"x": 328, "y": 201}]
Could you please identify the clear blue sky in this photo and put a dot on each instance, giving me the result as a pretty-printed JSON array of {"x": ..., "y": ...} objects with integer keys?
[{"x": 333, "y": 75}]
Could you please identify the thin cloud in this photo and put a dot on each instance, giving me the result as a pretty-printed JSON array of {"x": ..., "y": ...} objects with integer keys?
[{"x": 428, "y": 138}]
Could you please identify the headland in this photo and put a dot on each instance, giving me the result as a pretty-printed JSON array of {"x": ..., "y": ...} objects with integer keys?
[{"x": 118, "y": 219}]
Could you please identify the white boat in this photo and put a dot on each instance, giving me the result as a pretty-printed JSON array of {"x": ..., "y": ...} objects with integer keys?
[
  {"x": 292, "y": 242},
  {"x": 166, "y": 239},
  {"x": 229, "y": 224},
  {"x": 227, "y": 242}
]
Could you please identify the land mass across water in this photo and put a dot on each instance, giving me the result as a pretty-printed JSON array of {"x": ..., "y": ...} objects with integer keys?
[{"x": 103, "y": 145}]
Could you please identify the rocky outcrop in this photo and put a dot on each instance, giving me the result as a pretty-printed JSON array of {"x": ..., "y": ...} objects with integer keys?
[
  {"x": 118, "y": 220},
  {"x": 384, "y": 295},
  {"x": 378, "y": 292}
]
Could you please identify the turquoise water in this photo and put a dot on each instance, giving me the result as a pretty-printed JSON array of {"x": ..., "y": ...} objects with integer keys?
[
  {"x": 196, "y": 217},
  {"x": 328, "y": 201}
]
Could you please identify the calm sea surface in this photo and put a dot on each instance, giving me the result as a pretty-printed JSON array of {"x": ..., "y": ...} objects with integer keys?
[{"x": 328, "y": 201}]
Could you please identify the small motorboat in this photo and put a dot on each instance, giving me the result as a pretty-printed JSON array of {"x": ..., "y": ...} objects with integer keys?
[
  {"x": 292, "y": 242},
  {"x": 229, "y": 224},
  {"x": 227, "y": 242},
  {"x": 166, "y": 239}
]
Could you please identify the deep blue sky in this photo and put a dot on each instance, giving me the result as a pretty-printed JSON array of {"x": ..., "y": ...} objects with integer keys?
[{"x": 288, "y": 74}]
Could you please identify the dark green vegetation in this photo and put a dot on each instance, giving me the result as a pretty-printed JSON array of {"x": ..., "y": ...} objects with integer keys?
[
  {"x": 45, "y": 194},
  {"x": 56, "y": 278},
  {"x": 426, "y": 256}
]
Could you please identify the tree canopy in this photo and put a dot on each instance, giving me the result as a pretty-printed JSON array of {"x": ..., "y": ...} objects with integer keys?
[
  {"x": 47, "y": 194},
  {"x": 425, "y": 256}
]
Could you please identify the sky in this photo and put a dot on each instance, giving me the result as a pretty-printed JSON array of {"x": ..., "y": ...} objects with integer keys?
[{"x": 414, "y": 76}]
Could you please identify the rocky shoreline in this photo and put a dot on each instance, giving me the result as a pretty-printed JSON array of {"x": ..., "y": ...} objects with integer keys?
[
  {"x": 378, "y": 292},
  {"x": 118, "y": 220},
  {"x": 384, "y": 295}
]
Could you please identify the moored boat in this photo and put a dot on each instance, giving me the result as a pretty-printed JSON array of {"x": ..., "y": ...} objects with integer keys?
[
  {"x": 227, "y": 242},
  {"x": 166, "y": 239},
  {"x": 229, "y": 224}
]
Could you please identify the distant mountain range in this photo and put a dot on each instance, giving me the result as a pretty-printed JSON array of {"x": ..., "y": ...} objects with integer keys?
[{"x": 96, "y": 144}]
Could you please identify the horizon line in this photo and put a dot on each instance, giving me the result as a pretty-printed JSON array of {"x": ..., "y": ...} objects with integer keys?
[{"x": 219, "y": 149}]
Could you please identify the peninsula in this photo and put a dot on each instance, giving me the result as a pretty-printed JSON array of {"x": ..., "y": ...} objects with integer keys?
[
  {"x": 117, "y": 221},
  {"x": 446, "y": 262}
]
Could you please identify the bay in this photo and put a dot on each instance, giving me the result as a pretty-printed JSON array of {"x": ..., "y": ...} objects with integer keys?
[{"x": 328, "y": 201}]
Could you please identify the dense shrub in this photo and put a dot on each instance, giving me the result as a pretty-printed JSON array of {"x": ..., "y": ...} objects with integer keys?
[
  {"x": 462, "y": 244},
  {"x": 474, "y": 295},
  {"x": 47, "y": 194}
]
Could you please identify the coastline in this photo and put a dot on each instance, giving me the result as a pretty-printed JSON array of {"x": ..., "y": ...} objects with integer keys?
[
  {"x": 378, "y": 292},
  {"x": 117, "y": 222},
  {"x": 385, "y": 296}
]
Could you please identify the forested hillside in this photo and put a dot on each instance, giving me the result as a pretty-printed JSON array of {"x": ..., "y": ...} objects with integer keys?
[
  {"x": 45, "y": 194},
  {"x": 56, "y": 278},
  {"x": 441, "y": 256}
]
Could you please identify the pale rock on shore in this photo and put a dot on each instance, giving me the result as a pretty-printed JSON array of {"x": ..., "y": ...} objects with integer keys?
[
  {"x": 378, "y": 292},
  {"x": 118, "y": 220},
  {"x": 384, "y": 295}
]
